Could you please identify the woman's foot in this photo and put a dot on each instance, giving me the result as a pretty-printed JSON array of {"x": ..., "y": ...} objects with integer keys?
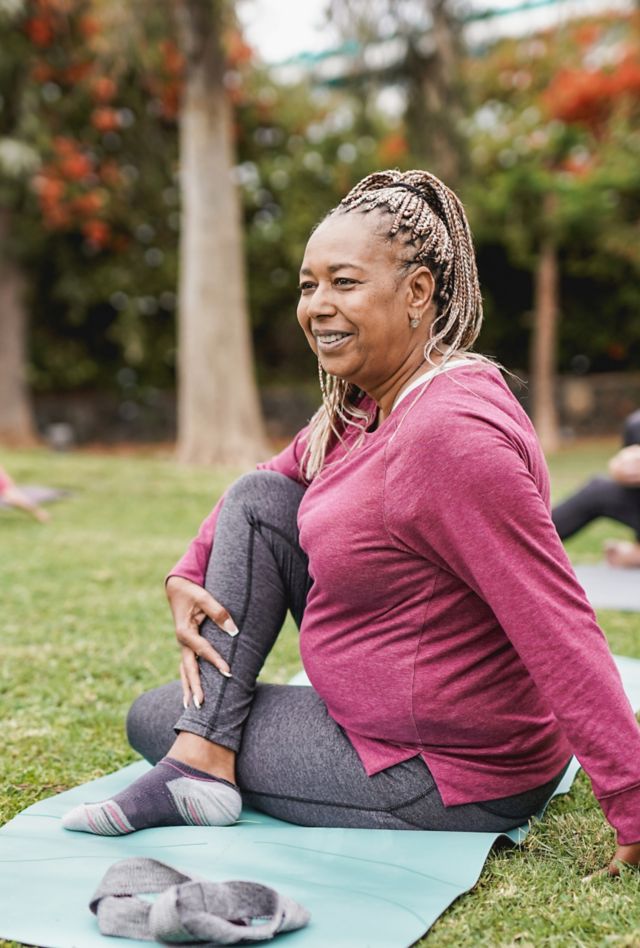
[
  {"x": 622, "y": 553},
  {"x": 172, "y": 794}
]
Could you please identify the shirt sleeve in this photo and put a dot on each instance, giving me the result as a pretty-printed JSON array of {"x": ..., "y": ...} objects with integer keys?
[
  {"x": 193, "y": 564},
  {"x": 474, "y": 504}
]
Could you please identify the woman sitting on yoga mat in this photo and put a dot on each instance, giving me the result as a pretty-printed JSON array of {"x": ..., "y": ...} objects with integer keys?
[
  {"x": 455, "y": 661},
  {"x": 616, "y": 497}
]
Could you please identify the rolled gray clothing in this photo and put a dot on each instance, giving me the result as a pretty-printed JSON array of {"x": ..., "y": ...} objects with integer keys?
[{"x": 294, "y": 761}]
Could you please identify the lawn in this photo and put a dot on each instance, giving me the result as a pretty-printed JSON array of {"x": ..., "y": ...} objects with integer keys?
[{"x": 85, "y": 628}]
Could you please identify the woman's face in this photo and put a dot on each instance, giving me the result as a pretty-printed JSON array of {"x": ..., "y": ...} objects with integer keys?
[{"x": 355, "y": 304}]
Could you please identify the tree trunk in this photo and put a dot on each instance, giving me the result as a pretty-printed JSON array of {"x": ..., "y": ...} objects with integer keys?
[
  {"x": 435, "y": 106},
  {"x": 219, "y": 419},
  {"x": 16, "y": 416},
  {"x": 544, "y": 346}
]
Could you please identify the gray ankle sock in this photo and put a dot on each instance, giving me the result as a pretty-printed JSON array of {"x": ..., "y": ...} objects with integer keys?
[{"x": 172, "y": 794}]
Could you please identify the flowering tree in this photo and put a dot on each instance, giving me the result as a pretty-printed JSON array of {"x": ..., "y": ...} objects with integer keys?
[
  {"x": 102, "y": 92},
  {"x": 99, "y": 202},
  {"x": 555, "y": 150},
  {"x": 97, "y": 211},
  {"x": 427, "y": 67}
]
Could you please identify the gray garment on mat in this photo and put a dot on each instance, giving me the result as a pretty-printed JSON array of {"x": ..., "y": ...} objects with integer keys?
[
  {"x": 189, "y": 909},
  {"x": 294, "y": 761}
]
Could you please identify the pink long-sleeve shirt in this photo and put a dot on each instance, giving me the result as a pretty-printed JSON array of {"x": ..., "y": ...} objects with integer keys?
[{"x": 444, "y": 618}]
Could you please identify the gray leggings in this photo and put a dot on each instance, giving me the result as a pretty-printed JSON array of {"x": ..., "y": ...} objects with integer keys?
[{"x": 294, "y": 762}]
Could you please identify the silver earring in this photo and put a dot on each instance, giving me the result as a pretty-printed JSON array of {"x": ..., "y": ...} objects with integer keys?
[{"x": 415, "y": 322}]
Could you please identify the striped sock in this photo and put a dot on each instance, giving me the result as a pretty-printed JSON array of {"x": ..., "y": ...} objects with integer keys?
[{"x": 172, "y": 794}]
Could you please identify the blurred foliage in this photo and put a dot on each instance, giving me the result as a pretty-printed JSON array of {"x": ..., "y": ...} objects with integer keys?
[
  {"x": 91, "y": 93},
  {"x": 299, "y": 150},
  {"x": 89, "y": 104},
  {"x": 555, "y": 150}
]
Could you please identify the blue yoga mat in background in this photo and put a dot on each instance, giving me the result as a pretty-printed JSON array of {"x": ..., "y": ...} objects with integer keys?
[{"x": 608, "y": 587}]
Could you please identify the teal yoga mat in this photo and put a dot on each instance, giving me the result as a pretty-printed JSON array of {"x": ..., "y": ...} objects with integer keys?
[{"x": 364, "y": 888}]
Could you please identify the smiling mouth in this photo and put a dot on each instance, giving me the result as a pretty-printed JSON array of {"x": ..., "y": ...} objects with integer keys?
[{"x": 331, "y": 340}]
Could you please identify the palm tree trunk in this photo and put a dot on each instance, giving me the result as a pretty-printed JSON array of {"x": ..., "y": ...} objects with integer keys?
[
  {"x": 219, "y": 419},
  {"x": 544, "y": 346},
  {"x": 16, "y": 416}
]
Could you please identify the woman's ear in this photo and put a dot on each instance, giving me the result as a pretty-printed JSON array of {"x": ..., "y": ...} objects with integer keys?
[{"x": 421, "y": 289}]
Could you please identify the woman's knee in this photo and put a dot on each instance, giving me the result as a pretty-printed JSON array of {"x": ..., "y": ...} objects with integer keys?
[
  {"x": 265, "y": 496},
  {"x": 257, "y": 484}
]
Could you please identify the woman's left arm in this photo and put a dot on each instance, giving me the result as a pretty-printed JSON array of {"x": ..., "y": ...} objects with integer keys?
[{"x": 482, "y": 514}]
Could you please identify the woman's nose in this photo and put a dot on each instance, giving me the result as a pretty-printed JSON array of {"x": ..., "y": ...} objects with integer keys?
[{"x": 321, "y": 302}]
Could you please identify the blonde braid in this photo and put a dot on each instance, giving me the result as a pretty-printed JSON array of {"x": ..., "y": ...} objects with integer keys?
[
  {"x": 431, "y": 221},
  {"x": 338, "y": 411}
]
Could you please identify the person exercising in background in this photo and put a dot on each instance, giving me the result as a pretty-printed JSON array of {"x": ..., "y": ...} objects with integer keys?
[
  {"x": 616, "y": 497},
  {"x": 15, "y": 497}
]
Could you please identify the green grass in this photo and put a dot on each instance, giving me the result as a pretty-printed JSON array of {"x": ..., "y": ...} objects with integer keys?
[{"x": 85, "y": 628}]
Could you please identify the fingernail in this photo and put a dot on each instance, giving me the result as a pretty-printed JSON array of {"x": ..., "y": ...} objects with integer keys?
[
  {"x": 197, "y": 703},
  {"x": 229, "y": 626},
  {"x": 185, "y": 704},
  {"x": 226, "y": 674}
]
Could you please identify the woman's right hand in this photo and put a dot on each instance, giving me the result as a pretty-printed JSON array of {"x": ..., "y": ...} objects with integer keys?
[
  {"x": 191, "y": 604},
  {"x": 626, "y": 856}
]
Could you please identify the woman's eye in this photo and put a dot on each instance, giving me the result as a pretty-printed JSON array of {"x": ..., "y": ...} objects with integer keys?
[
  {"x": 305, "y": 286},
  {"x": 344, "y": 281}
]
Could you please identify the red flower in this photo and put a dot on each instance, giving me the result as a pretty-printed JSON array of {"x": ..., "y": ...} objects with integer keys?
[
  {"x": 88, "y": 204},
  {"x": 172, "y": 58},
  {"x": 105, "y": 119},
  {"x": 75, "y": 73},
  {"x": 587, "y": 33},
  {"x": 42, "y": 72},
  {"x": 97, "y": 232},
  {"x": 56, "y": 217},
  {"x": 88, "y": 26},
  {"x": 238, "y": 51},
  {"x": 64, "y": 146},
  {"x": 49, "y": 188},
  {"x": 588, "y": 96},
  {"x": 39, "y": 31},
  {"x": 393, "y": 147},
  {"x": 103, "y": 89},
  {"x": 110, "y": 174},
  {"x": 76, "y": 166}
]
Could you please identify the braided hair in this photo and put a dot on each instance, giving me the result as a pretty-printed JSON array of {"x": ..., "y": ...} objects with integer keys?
[{"x": 428, "y": 219}]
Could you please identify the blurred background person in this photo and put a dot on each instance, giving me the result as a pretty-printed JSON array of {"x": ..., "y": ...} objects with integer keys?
[
  {"x": 616, "y": 497},
  {"x": 16, "y": 497}
]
